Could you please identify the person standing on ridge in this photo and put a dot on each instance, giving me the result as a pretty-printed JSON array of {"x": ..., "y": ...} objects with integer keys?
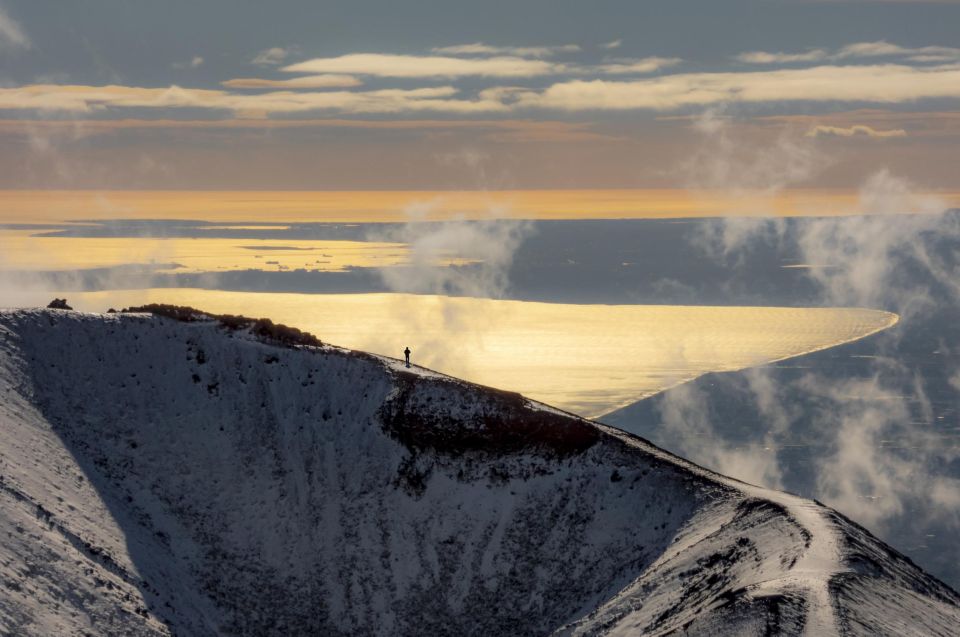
[{"x": 406, "y": 353}]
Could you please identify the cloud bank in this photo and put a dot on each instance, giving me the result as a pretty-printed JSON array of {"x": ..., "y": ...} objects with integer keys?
[{"x": 879, "y": 84}]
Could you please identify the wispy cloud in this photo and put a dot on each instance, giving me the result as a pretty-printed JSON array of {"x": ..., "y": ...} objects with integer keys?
[
  {"x": 627, "y": 66},
  {"x": 479, "y": 48},
  {"x": 870, "y": 250},
  {"x": 875, "y": 49},
  {"x": 766, "y": 57},
  {"x": 329, "y": 80},
  {"x": 11, "y": 34},
  {"x": 270, "y": 57},
  {"x": 857, "y": 130},
  {"x": 426, "y": 66},
  {"x": 194, "y": 63},
  {"x": 875, "y": 83},
  {"x": 613, "y": 44},
  {"x": 88, "y": 99},
  {"x": 727, "y": 162},
  {"x": 489, "y": 245},
  {"x": 914, "y": 123},
  {"x": 519, "y": 62},
  {"x": 889, "y": 83}
]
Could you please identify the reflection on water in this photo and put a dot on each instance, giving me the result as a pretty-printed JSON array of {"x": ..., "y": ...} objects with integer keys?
[
  {"x": 588, "y": 359},
  {"x": 22, "y": 250},
  {"x": 48, "y": 206}
]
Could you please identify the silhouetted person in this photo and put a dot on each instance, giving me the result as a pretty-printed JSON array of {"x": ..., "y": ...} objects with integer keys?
[{"x": 406, "y": 352}]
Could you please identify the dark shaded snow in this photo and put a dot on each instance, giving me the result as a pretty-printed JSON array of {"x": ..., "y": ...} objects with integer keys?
[{"x": 162, "y": 477}]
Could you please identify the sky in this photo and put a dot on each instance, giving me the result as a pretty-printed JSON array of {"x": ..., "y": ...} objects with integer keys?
[{"x": 494, "y": 95}]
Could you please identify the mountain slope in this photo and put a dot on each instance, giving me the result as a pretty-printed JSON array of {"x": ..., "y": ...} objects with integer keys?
[{"x": 178, "y": 477}]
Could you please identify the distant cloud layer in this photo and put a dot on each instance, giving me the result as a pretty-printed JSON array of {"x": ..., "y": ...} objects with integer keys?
[
  {"x": 426, "y": 66},
  {"x": 479, "y": 48},
  {"x": 521, "y": 62},
  {"x": 855, "y": 130},
  {"x": 880, "y": 48},
  {"x": 885, "y": 84},
  {"x": 328, "y": 80},
  {"x": 881, "y": 84},
  {"x": 876, "y": 72}
]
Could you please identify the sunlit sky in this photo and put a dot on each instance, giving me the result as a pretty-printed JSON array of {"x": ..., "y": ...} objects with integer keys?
[{"x": 495, "y": 95}]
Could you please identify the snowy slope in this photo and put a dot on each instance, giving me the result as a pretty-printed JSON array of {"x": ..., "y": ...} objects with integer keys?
[{"x": 162, "y": 477}]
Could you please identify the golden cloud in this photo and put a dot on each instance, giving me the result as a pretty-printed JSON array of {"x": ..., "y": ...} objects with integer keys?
[
  {"x": 420, "y": 66},
  {"x": 880, "y": 84},
  {"x": 857, "y": 130},
  {"x": 309, "y": 81},
  {"x": 889, "y": 84}
]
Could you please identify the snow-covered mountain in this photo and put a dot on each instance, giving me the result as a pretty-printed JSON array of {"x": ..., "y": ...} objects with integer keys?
[{"x": 160, "y": 477}]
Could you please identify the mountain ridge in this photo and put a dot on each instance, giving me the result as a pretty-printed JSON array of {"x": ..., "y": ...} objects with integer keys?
[{"x": 181, "y": 478}]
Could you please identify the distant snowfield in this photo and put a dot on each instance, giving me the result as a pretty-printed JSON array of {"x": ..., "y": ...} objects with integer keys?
[{"x": 587, "y": 359}]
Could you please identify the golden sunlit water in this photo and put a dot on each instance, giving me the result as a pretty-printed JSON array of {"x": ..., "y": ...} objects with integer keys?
[
  {"x": 588, "y": 359},
  {"x": 23, "y": 250},
  {"x": 49, "y": 206}
]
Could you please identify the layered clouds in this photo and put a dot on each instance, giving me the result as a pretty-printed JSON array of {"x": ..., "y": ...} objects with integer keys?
[
  {"x": 480, "y": 77},
  {"x": 620, "y": 94},
  {"x": 860, "y": 50},
  {"x": 870, "y": 84}
]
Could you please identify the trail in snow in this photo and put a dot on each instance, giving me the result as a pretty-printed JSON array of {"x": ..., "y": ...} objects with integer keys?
[{"x": 821, "y": 560}]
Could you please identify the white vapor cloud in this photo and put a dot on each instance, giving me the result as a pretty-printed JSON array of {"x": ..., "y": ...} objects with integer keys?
[
  {"x": 866, "y": 252},
  {"x": 855, "y": 131},
  {"x": 860, "y": 478},
  {"x": 727, "y": 163},
  {"x": 488, "y": 245},
  {"x": 194, "y": 63},
  {"x": 270, "y": 57},
  {"x": 858, "y": 432},
  {"x": 863, "y": 253},
  {"x": 613, "y": 44},
  {"x": 853, "y": 421},
  {"x": 748, "y": 175},
  {"x": 11, "y": 34},
  {"x": 686, "y": 428},
  {"x": 481, "y": 253}
]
